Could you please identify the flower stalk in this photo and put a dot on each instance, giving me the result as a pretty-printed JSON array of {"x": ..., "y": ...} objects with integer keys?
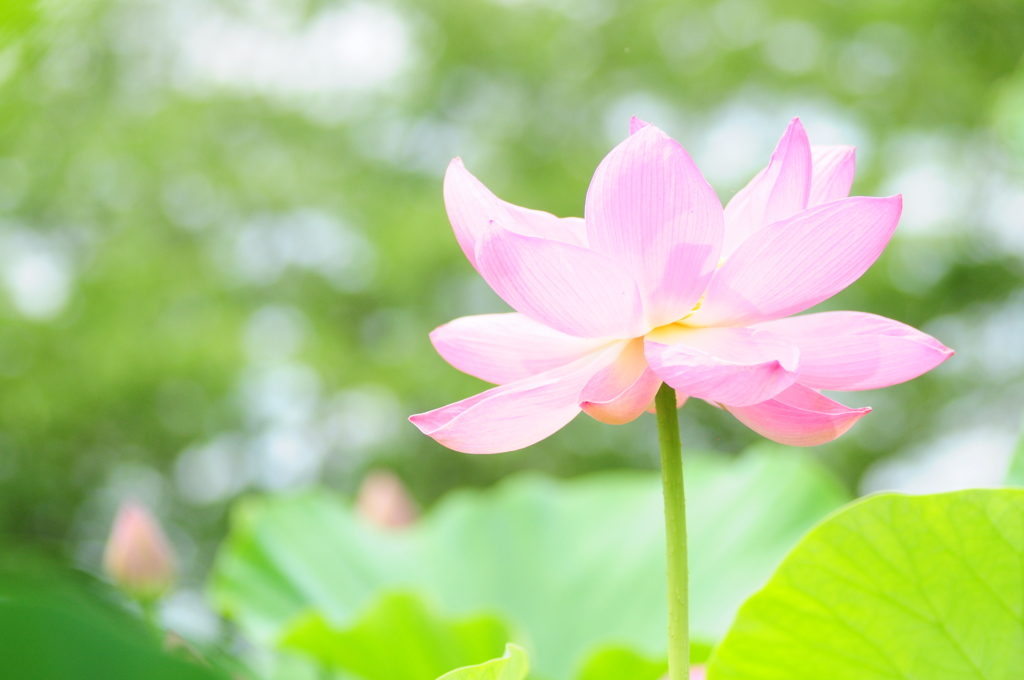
[{"x": 675, "y": 534}]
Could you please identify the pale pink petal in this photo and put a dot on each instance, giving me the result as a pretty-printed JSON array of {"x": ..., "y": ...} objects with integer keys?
[
  {"x": 794, "y": 264},
  {"x": 623, "y": 390},
  {"x": 576, "y": 226},
  {"x": 789, "y": 175},
  {"x": 636, "y": 124},
  {"x": 779, "y": 191},
  {"x": 741, "y": 217},
  {"x": 730, "y": 365},
  {"x": 503, "y": 348},
  {"x": 515, "y": 415},
  {"x": 650, "y": 209},
  {"x": 471, "y": 207},
  {"x": 566, "y": 287},
  {"x": 832, "y": 173},
  {"x": 798, "y": 416},
  {"x": 858, "y": 351}
]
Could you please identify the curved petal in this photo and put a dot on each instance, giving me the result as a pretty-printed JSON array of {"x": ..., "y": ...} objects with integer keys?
[
  {"x": 858, "y": 351},
  {"x": 794, "y": 264},
  {"x": 503, "y": 348},
  {"x": 471, "y": 207},
  {"x": 516, "y": 415},
  {"x": 779, "y": 191},
  {"x": 649, "y": 209},
  {"x": 832, "y": 169},
  {"x": 798, "y": 417},
  {"x": 623, "y": 390},
  {"x": 741, "y": 218},
  {"x": 739, "y": 366},
  {"x": 566, "y": 287}
]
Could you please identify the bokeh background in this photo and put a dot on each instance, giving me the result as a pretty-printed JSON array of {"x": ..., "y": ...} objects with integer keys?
[{"x": 223, "y": 242}]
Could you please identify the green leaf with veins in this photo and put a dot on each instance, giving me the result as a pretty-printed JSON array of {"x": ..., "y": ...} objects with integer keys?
[{"x": 892, "y": 588}]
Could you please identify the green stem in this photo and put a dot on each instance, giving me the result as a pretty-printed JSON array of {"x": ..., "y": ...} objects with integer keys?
[
  {"x": 675, "y": 534},
  {"x": 150, "y": 614}
]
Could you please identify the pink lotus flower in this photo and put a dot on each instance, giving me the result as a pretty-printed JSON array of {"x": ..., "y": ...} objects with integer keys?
[{"x": 658, "y": 283}]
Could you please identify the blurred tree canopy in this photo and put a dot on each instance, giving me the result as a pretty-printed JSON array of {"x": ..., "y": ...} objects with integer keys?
[{"x": 223, "y": 242}]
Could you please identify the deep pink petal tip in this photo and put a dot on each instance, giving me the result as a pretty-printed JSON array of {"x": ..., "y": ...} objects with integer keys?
[{"x": 636, "y": 124}]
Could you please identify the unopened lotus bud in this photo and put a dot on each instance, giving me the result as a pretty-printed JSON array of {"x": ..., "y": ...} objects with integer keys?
[
  {"x": 383, "y": 501},
  {"x": 138, "y": 556}
]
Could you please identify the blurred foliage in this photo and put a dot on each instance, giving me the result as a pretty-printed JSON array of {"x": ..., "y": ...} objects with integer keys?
[
  {"x": 1015, "y": 475},
  {"x": 62, "y": 626},
  {"x": 16, "y": 17},
  {"x": 571, "y": 566},
  {"x": 620, "y": 664},
  {"x": 893, "y": 586},
  {"x": 223, "y": 244},
  {"x": 397, "y": 638},
  {"x": 512, "y": 665}
]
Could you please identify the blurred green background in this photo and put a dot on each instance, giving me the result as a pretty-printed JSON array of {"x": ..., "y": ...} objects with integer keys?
[{"x": 223, "y": 242}]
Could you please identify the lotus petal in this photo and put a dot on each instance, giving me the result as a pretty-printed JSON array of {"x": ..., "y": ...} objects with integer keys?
[
  {"x": 730, "y": 365},
  {"x": 831, "y": 173},
  {"x": 779, "y": 191},
  {"x": 516, "y": 415},
  {"x": 503, "y": 348},
  {"x": 858, "y": 351},
  {"x": 794, "y": 264},
  {"x": 472, "y": 207},
  {"x": 623, "y": 390},
  {"x": 569, "y": 288},
  {"x": 649, "y": 209},
  {"x": 799, "y": 416}
]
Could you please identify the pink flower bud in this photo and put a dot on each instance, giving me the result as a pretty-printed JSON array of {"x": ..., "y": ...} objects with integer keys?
[
  {"x": 138, "y": 556},
  {"x": 383, "y": 501}
]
